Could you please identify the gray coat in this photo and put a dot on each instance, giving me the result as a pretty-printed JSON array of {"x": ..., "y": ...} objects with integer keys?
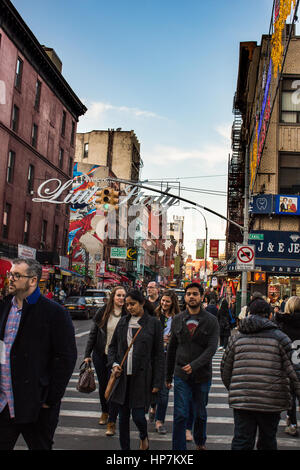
[
  {"x": 147, "y": 361},
  {"x": 257, "y": 369}
]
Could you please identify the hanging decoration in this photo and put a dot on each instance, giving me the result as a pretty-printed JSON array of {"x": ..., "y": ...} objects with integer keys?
[{"x": 283, "y": 9}]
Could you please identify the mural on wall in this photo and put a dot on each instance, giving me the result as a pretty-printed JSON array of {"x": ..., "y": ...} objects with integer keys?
[{"x": 83, "y": 217}]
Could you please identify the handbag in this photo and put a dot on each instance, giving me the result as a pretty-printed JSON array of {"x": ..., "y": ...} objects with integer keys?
[
  {"x": 86, "y": 382},
  {"x": 114, "y": 378}
]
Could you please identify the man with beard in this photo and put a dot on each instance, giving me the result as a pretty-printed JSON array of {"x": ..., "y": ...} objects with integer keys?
[
  {"x": 37, "y": 358},
  {"x": 193, "y": 342}
]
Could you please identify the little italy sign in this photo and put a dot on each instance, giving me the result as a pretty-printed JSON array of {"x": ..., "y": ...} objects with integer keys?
[{"x": 52, "y": 190}]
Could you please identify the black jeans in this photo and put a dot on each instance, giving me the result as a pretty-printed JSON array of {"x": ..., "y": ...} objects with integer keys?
[
  {"x": 245, "y": 428},
  {"x": 38, "y": 435},
  {"x": 103, "y": 374},
  {"x": 292, "y": 413},
  {"x": 139, "y": 419}
]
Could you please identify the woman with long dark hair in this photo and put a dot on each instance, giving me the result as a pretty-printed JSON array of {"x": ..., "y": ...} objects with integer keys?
[
  {"x": 165, "y": 312},
  {"x": 104, "y": 324},
  {"x": 143, "y": 371}
]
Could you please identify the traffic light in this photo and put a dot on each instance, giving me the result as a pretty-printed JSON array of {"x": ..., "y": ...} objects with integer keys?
[{"x": 107, "y": 196}]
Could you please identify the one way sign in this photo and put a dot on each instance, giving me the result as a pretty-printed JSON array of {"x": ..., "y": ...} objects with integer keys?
[{"x": 245, "y": 258}]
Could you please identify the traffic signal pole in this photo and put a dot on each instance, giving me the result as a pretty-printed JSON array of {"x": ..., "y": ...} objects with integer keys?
[{"x": 167, "y": 193}]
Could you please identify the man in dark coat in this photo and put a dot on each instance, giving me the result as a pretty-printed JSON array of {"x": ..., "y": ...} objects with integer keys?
[
  {"x": 37, "y": 360},
  {"x": 258, "y": 371},
  {"x": 193, "y": 343}
]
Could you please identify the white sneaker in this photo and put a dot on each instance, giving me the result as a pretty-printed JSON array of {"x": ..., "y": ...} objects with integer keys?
[{"x": 220, "y": 348}]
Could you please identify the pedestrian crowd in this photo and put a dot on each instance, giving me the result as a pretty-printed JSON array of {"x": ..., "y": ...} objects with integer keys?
[{"x": 164, "y": 347}]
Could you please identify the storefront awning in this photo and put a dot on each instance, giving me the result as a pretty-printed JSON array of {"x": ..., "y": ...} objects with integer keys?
[{"x": 67, "y": 272}]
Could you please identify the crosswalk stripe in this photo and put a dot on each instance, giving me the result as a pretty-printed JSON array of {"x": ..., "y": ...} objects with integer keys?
[{"x": 153, "y": 436}]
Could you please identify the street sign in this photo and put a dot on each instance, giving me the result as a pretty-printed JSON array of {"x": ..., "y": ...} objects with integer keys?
[
  {"x": 256, "y": 236},
  {"x": 118, "y": 252},
  {"x": 132, "y": 254},
  {"x": 245, "y": 257}
]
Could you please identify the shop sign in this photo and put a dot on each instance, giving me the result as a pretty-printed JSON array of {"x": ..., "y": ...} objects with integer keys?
[
  {"x": 262, "y": 204},
  {"x": 277, "y": 245},
  {"x": 289, "y": 270},
  {"x": 287, "y": 205},
  {"x": 26, "y": 252},
  {"x": 117, "y": 252}
]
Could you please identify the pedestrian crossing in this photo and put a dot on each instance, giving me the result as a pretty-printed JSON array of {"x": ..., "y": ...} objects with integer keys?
[{"x": 79, "y": 416}]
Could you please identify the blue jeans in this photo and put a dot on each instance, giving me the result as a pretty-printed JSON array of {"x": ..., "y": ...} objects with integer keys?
[
  {"x": 162, "y": 404},
  {"x": 184, "y": 393}
]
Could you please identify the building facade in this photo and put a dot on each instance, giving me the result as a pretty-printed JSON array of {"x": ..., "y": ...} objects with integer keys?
[
  {"x": 38, "y": 119},
  {"x": 266, "y": 130}
]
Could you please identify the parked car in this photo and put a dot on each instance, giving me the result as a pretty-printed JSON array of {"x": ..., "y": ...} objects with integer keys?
[
  {"x": 96, "y": 298},
  {"x": 78, "y": 307}
]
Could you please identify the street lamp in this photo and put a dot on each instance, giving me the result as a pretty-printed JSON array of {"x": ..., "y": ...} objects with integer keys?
[{"x": 206, "y": 236}]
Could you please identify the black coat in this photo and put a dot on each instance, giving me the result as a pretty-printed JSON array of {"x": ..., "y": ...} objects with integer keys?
[
  {"x": 224, "y": 321},
  {"x": 42, "y": 357},
  {"x": 196, "y": 350},
  {"x": 147, "y": 361},
  {"x": 97, "y": 337},
  {"x": 289, "y": 323},
  {"x": 257, "y": 367}
]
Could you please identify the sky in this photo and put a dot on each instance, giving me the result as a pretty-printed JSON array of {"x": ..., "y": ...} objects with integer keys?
[{"x": 166, "y": 69}]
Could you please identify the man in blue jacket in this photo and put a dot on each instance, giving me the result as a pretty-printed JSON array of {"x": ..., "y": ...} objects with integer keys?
[{"x": 37, "y": 357}]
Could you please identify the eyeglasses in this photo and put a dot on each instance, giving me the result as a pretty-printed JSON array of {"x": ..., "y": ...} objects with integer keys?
[{"x": 15, "y": 276}]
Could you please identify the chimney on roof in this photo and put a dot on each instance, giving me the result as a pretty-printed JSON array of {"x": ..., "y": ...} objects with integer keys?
[{"x": 54, "y": 57}]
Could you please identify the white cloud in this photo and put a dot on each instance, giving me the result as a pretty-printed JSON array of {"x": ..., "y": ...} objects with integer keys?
[{"x": 99, "y": 111}]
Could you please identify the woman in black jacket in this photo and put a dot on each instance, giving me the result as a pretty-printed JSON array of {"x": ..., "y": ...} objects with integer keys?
[
  {"x": 165, "y": 312},
  {"x": 103, "y": 327},
  {"x": 224, "y": 323},
  {"x": 289, "y": 322},
  {"x": 143, "y": 371}
]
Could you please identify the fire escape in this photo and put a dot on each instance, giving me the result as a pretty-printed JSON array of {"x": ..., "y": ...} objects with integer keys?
[{"x": 236, "y": 183}]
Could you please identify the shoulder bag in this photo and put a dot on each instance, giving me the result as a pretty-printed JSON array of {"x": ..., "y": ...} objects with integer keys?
[
  {"x": 114, "y": 378},
  {"x": 86, "y": 382}
]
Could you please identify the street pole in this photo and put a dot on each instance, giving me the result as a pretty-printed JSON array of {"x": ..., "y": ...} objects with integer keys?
[
  {"x": 206, "y": 237},
  {"x": 246, "y": 227}
]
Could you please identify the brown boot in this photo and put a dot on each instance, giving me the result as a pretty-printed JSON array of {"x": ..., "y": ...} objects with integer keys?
[
  {"x": 111, "y": 429},
  {"x": 103, "y": 418}
]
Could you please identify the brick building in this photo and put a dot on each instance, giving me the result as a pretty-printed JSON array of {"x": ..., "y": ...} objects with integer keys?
[{"x": 38, "y": 120}]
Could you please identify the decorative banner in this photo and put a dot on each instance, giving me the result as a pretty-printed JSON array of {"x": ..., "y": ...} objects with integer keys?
[
  {"x": 214, "y": 248},
  {"x": 200, "y": 248},
  {"x": 177, "y": 266},
  {"x": 274, "y": 58}
]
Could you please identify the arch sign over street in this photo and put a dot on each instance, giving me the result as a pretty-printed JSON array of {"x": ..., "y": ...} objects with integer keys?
[{"x": 245, "y": 257}]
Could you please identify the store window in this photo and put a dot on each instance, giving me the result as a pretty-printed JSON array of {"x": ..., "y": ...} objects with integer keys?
[
  {"x": 289, "y": 173},
  {"x": 279, "y": 286}
]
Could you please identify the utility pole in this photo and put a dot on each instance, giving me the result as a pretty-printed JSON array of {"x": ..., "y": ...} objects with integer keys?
[{"x": 246, "y": 227}]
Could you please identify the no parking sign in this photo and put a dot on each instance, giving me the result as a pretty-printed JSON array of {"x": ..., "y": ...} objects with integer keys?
[{"x": 245, "y": 257}]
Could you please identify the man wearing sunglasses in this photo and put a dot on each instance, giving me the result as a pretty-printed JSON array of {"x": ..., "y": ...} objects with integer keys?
[{"x": 37, "y": 358}]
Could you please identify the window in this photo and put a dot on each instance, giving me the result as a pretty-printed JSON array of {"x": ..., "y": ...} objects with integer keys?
[
  {"x": 55, "y": 237},
  {"x": 44, "y": 233},
  {"x": 61, "y": 158},
  {"x": 73, "y": 133},
  {"x": 15, "y": 119},
  {"x": 19, "y": 72},
  {"x": 30, "y": 179},
  {"x": 26, "y": 228},
  {"x": 10, "y": 166},
  {"x": 289, "y": 173},
  {"x": 290, "y": 101},
  {"x": 71, "y": 166},
  {"x": 63, "y": 123},
  {"x": 85, "y": 150},
  {"x": 6, "y": 220},
  {"x": 34, "y": 135},
  {"x": 38, "y": 87}
]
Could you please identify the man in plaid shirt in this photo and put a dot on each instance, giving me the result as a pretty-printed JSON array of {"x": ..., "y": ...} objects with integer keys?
[{"x": 37, "y": 358}]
